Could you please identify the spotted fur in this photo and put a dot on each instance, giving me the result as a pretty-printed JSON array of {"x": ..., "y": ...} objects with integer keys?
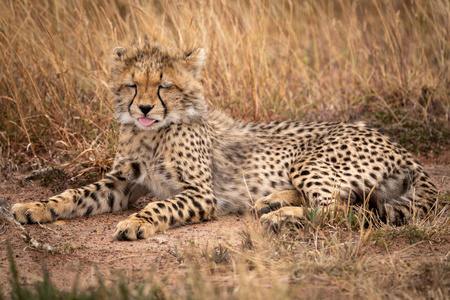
[{"x": 202, "y": 163}]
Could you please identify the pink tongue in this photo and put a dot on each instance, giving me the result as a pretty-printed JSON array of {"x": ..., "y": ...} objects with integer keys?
[{"x": 146, "y": 121}]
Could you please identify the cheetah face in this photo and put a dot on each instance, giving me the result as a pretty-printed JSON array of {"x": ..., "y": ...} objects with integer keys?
[{"x": 155, "y": 86}]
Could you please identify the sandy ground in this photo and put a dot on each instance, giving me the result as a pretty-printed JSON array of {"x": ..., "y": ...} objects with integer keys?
[{"x": 85, "y": 245}]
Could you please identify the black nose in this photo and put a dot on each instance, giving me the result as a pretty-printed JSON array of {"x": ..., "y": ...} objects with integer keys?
[{"x": 145, "y": 108}]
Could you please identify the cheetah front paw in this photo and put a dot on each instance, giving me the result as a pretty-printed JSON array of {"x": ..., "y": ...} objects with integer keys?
[
  {"x": 290, "y": 217},
  {"x": 267, "y": 204},
  {"x": 264, "y": 206},
  {"x": 278, "y": 200},
  {"x": 31, "y": 213},
  {"x": 133, "y": 228}
]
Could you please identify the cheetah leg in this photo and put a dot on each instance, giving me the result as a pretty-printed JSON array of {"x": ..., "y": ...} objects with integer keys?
[
  {"x": 321, "y": 184},
  {"x": 317, "y": 181},
  {"x": 277, "y": 200},
  {"x": 113, "y": 193},
  {"x": 315, "y": 190},
  {"x": 411, "y": 194},
  {"x": 190, "y": 206}
]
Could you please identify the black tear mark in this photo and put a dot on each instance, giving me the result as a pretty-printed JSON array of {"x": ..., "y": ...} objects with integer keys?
[
  {"x": 162, "y": 102},
  {"x": 132, "y": 100}
]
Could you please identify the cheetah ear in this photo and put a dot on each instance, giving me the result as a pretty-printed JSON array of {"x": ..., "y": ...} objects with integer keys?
[
  {"x": 117, "y": 53},
  {"x": 195, "y": 60},
  {"x": 117, "y": 62}
]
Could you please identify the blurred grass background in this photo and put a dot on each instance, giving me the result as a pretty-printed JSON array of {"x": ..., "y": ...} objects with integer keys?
[{"x": 386, "y": 62}]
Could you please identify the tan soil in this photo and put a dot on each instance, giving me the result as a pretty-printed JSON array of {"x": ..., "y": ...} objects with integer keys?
[{"x": 85, "y": 244}]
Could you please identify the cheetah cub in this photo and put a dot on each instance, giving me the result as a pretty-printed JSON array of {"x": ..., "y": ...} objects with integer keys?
[{"x": 201, "y": 163}]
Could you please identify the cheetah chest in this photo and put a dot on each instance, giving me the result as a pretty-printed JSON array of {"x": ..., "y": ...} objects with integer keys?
[{"x": 161, "y": 183}]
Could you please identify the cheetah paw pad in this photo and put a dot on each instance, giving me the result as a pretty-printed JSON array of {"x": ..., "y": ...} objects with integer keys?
[
  {"x": 275, "y": 221},
  {"x": 133, "y": 229}
]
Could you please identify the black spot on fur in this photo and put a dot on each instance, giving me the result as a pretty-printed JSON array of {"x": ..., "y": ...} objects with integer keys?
[
  {"x": 121, "y": 178},
  {"x": 29, "y": 218},
  {"x": 89, "y": 211},
  {"x": 190, "y": 187},
  {"x": 95, "y": 197},
  {"x": 136, "y": 169},
  {"x": 201, "y": 213},
  {"x": 162, "y": 219},
  {"x": 180, "y": 205},
  {"x": 53, "y": 213},
  {"x": 111, "y": 200},
  {"x": 196, "y": 204}
]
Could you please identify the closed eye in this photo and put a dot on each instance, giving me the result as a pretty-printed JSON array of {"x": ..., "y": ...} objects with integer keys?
[
  {"x": 131, "y": 85},
  {"x": 166, "y": 85}
]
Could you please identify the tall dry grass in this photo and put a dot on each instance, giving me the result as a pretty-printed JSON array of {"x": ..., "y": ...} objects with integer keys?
[{"x": 307, "y": 60}]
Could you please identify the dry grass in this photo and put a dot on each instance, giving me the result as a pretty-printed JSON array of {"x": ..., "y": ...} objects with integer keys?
[{"x": 383, "y": 61}]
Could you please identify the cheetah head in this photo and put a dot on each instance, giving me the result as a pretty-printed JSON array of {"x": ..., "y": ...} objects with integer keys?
[{"x": 155, "y": 86}]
